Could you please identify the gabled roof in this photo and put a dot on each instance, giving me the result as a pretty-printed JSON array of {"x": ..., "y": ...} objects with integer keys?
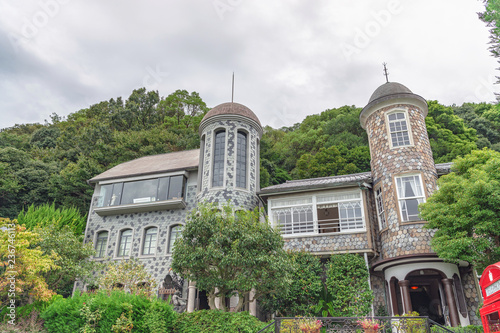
[
  {"x": 312, "y": 184},
  {"x": 182, "y": 160}
]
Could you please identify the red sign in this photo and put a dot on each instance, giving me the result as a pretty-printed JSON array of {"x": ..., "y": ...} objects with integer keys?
[{"x": 490, "y": 288}]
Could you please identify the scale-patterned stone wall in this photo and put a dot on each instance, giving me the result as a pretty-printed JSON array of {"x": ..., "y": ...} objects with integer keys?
[
  {"x": 330, "y": 243},
  {"x": 157, "y": 264},
  {"x": 472, "y": 296},
  {"x": 400, "y": 238}
]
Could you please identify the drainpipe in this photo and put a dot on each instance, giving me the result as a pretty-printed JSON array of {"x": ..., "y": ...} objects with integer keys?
[{"x": 369, "y": 281}]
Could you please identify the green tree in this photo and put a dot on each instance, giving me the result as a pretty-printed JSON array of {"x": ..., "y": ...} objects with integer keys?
[
  {"x": 491, "y": 16},
  {"x": 465, "y": 210},
  {"x": 229, "y": 253},
  {"x": 300, "y": 298},
  {"x": 347, "y": 283}
]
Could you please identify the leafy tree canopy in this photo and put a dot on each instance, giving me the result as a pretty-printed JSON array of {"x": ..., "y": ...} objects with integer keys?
[
  {"x": 465, "y": 210},
  {"x": 228, "y": 253}
]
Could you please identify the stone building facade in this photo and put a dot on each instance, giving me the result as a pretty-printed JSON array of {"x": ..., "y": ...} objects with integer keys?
[{"x": 139, "y": 207}]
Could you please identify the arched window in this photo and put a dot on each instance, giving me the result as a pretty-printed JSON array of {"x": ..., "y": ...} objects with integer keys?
[
  {"x": 219, "y": 151},
  {"x": 149, "y": 244},
  {"x": 175, "y": 232},
  {"x": 101, "y": 244},
  {"x": 241, "y": 160},
  {"x": 125, "y": 243}
]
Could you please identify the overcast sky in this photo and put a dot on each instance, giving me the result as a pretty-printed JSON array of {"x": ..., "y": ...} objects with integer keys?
[{"x": 290, "y": 58}]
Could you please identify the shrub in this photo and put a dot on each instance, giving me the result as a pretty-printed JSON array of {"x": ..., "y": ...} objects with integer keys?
[
  {"x": 215, "y": 321},
  {"x": 65, "y": 315}
]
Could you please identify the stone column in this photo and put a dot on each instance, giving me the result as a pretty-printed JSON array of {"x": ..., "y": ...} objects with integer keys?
[
  {"x": 405, "y": 294},
  {"x": 450, "y": 299},
  {"x": 252, "y": 308},
  {"x": 191, "y": 296}
]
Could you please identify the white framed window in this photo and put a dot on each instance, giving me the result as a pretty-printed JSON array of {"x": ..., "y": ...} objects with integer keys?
[
  {"x": 380, "y": 209},
  {"x": 149, "y": 243},
  {"x": 219, "y": 158},
  {"x": 410, "y": 195},
  {"x": 398, "y": 129},
  {"x": 125, "y": 243},
  {"x": 241, "y": 159},
  {"x": 101, "y": 244},
  {"x": 175, "y": 233},
  {"x": 334, "y": 212}
]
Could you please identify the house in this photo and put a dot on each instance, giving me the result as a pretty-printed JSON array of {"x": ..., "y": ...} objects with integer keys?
[{"x": 139, "y": 207}]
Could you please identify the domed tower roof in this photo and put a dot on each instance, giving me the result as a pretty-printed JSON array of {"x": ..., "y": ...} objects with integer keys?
[
  {"x": 231, "y": 109},
  {"x": 390, "y": 93}
]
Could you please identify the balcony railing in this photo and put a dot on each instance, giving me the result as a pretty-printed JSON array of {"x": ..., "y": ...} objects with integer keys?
[{"x": 329, "y": 226}]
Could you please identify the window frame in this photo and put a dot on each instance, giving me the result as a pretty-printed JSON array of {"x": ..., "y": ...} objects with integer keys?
[
  {"x": 169, "y": 235},
  {"x": 408, "y": 128},
  {"x": 96, "y": 239},
  {"x": 312, "y": 201},
  {"x": 143, "y": 241},
  {"x": 379, "y": 203},
  {"x": 237, "y": 171},
  {"x": 119, "y": 242},
  {"x": 214, "y": 149},
  {"x": 422, "y": 197}
]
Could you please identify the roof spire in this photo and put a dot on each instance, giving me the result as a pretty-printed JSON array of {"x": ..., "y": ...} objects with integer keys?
[
  {"x": 385, "y": 72},
  {"x": 232, "y": 92}
]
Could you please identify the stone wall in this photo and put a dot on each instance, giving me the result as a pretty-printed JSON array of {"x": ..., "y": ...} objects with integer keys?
[
  {"x": 329, "y": 244},
  {"x": 472, "y": 295}
]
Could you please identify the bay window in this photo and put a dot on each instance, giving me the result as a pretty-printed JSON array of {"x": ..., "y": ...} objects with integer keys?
[{"x": 319, "y": 214}]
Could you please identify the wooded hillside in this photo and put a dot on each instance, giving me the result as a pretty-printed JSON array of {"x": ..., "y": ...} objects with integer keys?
[{"x": 51, "y": 162}]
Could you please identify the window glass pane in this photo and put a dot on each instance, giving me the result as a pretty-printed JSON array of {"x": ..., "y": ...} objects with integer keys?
[
  {"x": 105, "y": 195},
  {"x": 100, "y": 247},
  {"x": 175, "y": 233},
  {"x": 241, "y": 160},
  {"x": 125, "y": 243},
  {"x": 139, "y": 191},
  {"x": 398, "y": 129},
  {"x": 149, "y": 246},
  {"x": 410, "y": 196},
  {"x": 116, "y": 194},
  {"x": 176, "y": 188},
  {"x": 163, "y": 188},
  {"x": 350, "y": 216},
  {"x": 219, "y": 151}
]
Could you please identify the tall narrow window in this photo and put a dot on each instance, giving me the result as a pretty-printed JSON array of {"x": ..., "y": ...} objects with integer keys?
[
  {"x": 241, "y": 160},
  {"x": 219, "y": 151},
  {"x": 149, "y": 245},
  {"x": 125, "y": 243},
  {"x": 398, "y": 129},
  {"x": 175, "y": 232},
  {"x": 101, "y": 244},
  {"x": 351, "y": 216},
  {"x": 410, "y": 195},
  {"x": 380, "y": 209}
]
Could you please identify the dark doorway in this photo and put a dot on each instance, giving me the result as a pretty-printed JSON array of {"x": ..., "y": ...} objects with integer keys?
[
  {"x": 426, "y": 293},
  {"x": 201, "y": 300}
]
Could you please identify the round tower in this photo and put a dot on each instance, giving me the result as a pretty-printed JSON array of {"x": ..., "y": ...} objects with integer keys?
[
  {"x": 404, "y": 173},
  {"x": 230, "y": 136}
]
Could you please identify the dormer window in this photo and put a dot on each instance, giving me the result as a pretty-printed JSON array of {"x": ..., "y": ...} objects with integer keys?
[
  {"x": 398, "y": 129},
  {"x": 219, "y": 153},
  {"x": 241, "y": 160}
]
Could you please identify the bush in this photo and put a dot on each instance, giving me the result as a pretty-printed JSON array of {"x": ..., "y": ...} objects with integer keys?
[
  {"x": 65, "y": 315},
  {"x": 466, "y": 329},
  {"x": 215, "y": 321}
]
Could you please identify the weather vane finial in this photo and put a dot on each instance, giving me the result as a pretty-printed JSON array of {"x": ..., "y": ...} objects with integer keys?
[{"x": 385, "y": 72}]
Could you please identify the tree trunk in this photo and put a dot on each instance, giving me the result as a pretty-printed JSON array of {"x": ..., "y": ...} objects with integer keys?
[{"x": 211, "y": 300}]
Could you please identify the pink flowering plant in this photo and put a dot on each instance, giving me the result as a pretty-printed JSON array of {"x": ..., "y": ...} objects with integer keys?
[
  {"x": 370, "y": 324},
  {"x": 310, "y": 325}
]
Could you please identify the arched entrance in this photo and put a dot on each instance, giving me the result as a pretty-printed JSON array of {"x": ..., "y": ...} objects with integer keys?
[{"x": 427, "y": 294}]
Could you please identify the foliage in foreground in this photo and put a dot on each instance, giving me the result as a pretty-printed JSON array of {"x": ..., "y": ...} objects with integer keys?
[
  {"x": 300, "y": 297},
  {"x": 215, "y": 321},
  {"x": 101, "y": 311},
  {"x": 231, "y": 252},
  {"x": 465, "y": 210},
  {"x": 48, "y": 215},
  {"x": 347, "y": 282}
]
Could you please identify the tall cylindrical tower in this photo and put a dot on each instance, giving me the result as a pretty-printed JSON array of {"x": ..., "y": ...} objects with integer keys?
[
  {"x": 404, "y": 173},
  {"x": 230, "y": 136}
]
